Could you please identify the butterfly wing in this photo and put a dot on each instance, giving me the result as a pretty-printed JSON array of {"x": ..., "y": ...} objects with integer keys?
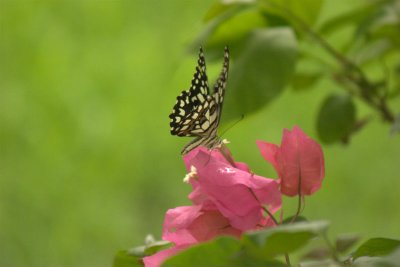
[
  {"x": 188, "y": 114},
  {"x": 196, "y": 112},
  {"x": 220, "y": 84}
]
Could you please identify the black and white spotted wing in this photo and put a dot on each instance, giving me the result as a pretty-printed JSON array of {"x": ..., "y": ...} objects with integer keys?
[{"x": 197, "y": 112}]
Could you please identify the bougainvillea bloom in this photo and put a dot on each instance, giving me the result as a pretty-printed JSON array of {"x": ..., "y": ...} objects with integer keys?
[
  {"x": 299, "y": 162},
  {"x": 193, "y": 224},
  {"x": 227, "y": 200},
  {"x": 185, "y": 226},
  {"x": 238, "y": 194}
]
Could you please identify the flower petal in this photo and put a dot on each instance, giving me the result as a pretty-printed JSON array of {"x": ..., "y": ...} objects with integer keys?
[
  {"x": 238, "y": 195},
  {"x": 177, "y": 222},
  {"x": 270, "y": 153},
  {"x": 311, "y": 163},
  {"x": 299, "y": 162},
  {"x": 211, "y": 224}
]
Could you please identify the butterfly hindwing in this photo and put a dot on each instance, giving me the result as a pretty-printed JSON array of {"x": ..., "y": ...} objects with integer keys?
[{"x": 220, "y": 84}]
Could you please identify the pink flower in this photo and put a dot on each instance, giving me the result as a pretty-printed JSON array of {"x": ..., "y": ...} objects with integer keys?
[
  {"x": 299, "y": 162},
  {"x": 193, "y": 224},
  {"x": 227, "y": 200},
  {"x": 238, "y": 194},
  {"x": 189, "y": 225}
]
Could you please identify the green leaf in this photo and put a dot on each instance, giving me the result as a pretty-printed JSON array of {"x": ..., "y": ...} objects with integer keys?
[
  {"x": 124, "y": 259},
  {"x": 157, "y": 246},
  {"x": 372, "y": 51},
  {"x": 283, "y": 239},
  {"x": 391, "y": 260},
  {"x": 379, "y": 32},
  {"x": 237, "y": 27},
  {"x": 383, "y": 21},
  {"x": 229, "y": 28},
  {"x": 261, "y": 70},
  {"x": 221, "y": 252},
  {"x": 221, "y": 7},
  {"x": 138, "y": 251},
  {"x": 307, "y": 10},
  {"x": 377, "y": 247},
  {"x": 218, "y": 252},
  {"x": 149, "y": 249},
  {"x": 336, "y": 118},
  {"x": 344, "y": 242},
  {"x": 353, "y": 17}
]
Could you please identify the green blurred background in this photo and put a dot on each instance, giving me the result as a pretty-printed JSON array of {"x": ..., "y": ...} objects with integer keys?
[{"x": 87, "y": 164}]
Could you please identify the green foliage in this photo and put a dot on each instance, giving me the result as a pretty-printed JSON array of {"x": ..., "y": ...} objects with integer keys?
[
  {"x": 268, "y": 248},
  {"x": 308, "y": 10},
  {"x": 149, "y": 249},
  {"x": 262, "y": 70},
  {"x": 219, "y": 252},
  {"x": 260, "y": 73},
  {"x": 284, "y": 239},
  {"x": 125, "y": 259},
  {"x": 377, "y": 247},
  {"x": 389, "y": 258},
  {"x": 133, "y": 257},
  {"x": 156, "y": 246},
  {"x": 336, "y": 118}
]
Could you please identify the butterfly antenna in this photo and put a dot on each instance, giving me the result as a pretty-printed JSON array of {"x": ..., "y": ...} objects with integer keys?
[{"x": 233, "y": 124}]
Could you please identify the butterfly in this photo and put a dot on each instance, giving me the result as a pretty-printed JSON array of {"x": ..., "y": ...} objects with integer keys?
[{"x": 197, "y": 112}]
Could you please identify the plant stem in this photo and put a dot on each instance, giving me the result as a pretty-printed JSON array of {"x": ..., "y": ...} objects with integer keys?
[
  {"x": 270, "y": 215},
  {"x": 287, "y": 259},
  {"x": 274, "y": 220},
  {"x": 299, "y": 201}
]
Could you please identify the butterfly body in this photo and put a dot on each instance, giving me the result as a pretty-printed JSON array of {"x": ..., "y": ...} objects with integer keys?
[{"x": 197, "y": 112}]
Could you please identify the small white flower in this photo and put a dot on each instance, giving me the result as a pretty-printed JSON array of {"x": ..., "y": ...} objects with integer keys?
[
  {"x": 191, "y": 174},
  {"x": 225, "y": 141}
]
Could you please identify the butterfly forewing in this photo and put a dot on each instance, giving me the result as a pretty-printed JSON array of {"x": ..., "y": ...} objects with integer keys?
[
  {"x": 198, "y": 91},
  {"x": 189, "y": 104},
  {"x": 196, "y": 112},
  {"x": 220, "y": 84}
]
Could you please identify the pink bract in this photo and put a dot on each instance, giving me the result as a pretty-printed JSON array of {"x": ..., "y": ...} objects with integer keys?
[
  {"x": 189, "y": 225},
  {"x": 238, "y": 194},
  {"x": 227, "y": 200},
  {"x": 193, "y": 224},
  {"x": 299, "y": 162}
]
